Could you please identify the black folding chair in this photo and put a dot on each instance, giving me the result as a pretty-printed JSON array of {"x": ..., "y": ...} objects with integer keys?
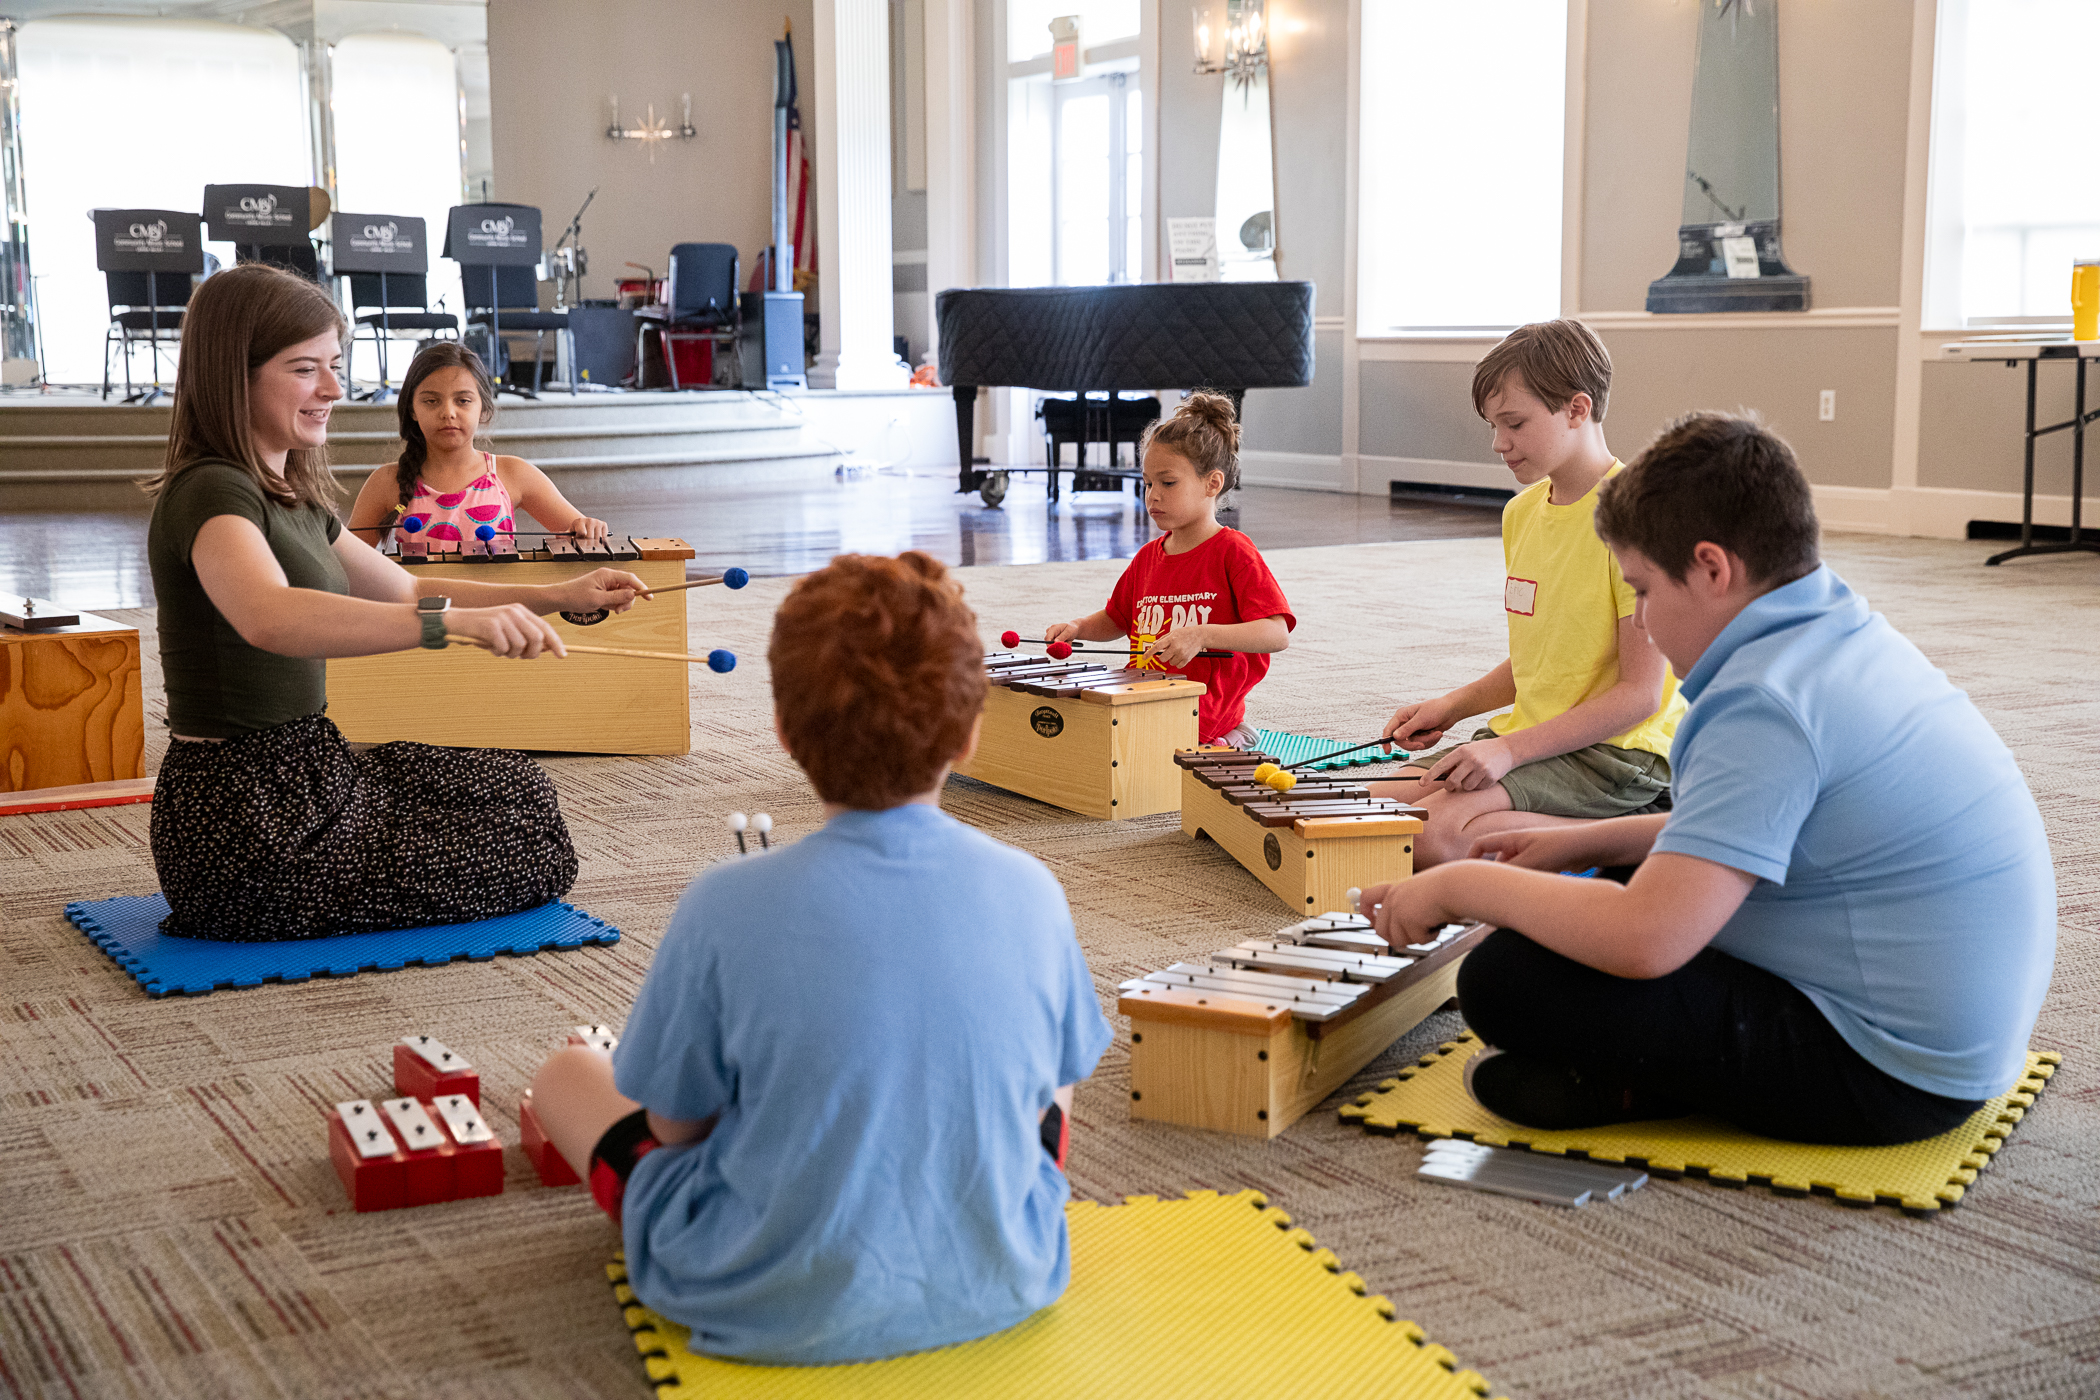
[
  {"x": 702, "y": 296},
  {"x": 144, "y": 307},
  {"x": 390, "y": 305},
  {"x": 507, "y": 301}
]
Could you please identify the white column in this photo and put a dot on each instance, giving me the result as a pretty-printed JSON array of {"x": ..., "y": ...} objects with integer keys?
[
  {"x": 951, "y": 155},
  {"x": 856, "y": 320}
]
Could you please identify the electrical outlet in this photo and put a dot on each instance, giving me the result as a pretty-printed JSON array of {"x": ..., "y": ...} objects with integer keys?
[{"x": 1827, "y": 406}]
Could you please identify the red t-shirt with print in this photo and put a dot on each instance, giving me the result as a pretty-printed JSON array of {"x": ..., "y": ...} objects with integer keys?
[{"x": 1222, "y": 580}]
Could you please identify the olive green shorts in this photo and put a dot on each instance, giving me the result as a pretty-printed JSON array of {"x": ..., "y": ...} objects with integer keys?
[{"x": 1598, "y": 781}]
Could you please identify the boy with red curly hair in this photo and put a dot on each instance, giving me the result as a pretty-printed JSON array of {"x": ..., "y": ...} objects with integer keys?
[{"x": 833, "y": 1127}]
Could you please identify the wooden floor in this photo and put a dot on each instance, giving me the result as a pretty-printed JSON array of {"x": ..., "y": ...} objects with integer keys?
[{"x": 97, "y": 559}]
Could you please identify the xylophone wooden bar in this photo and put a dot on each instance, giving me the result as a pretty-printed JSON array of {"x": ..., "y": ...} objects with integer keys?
[
  {"x": 468, "y": 699},
  {"x": 1093, "y": 740},
  {"x": 1272, "y": 1026},
  {"x": 1309, "y": 845}
]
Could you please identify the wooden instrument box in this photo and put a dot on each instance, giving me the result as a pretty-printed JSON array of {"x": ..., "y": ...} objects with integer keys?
[
  {"x": 1236, "y": 1048},
  {"x": 1091, "y": 740},
  {"x": 1311, "y": 845},
  {"x": 462, "y": 697},
  {"x": 71, "y": 710}
]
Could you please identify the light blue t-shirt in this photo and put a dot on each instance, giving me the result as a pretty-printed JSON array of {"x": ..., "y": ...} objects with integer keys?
[
  {"x": 1904, "y": 882},
  {"x": 879, "y": 1012}
]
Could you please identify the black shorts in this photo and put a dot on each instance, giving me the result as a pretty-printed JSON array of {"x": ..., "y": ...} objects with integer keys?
[{"x": 628, "y": 1141}]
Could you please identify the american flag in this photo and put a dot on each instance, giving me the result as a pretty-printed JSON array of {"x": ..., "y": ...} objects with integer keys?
[{"x": 805, "y": 229}]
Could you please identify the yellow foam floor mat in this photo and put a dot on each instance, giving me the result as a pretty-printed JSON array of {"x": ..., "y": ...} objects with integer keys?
[
  {"x": 1919, "y": 1177},
  {"x": 1207, "y": 1296}
]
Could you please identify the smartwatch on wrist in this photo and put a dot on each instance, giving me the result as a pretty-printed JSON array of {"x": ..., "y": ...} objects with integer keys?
[{"x": 431, "y": 612}]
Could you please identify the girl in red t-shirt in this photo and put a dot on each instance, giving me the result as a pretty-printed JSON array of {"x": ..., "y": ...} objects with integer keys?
[{"x": 1200, "y": 586}]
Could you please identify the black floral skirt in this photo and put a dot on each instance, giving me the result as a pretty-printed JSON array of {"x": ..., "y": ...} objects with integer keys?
[{"x": 287, "y": 833}]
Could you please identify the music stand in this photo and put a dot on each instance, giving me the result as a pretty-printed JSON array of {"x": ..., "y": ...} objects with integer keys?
[
  {"x": 382, "y": 244},
  {"x": 482, "y": 238},
  {"x": 261, "y": 219},
  {"x": 152, "y": 241}
]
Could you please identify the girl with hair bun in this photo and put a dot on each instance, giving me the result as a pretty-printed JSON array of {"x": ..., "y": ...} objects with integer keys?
[{"x": 1201, "y": 586}]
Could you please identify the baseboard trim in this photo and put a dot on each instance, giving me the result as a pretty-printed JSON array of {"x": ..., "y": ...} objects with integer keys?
[
  {"x": 1375, "y": 475},
  {"x": 1295, "y": 471}
]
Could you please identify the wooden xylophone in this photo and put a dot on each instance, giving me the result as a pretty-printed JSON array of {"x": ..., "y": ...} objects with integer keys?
[
  {"x": 1310, "y": 845},
  {"x": 1269, "y": 1027},
  {"x": 1091, "y": 739},
  {"x": 468, "y": 699}
]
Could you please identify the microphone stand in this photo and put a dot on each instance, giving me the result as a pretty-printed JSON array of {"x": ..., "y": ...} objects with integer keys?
[{"x": 573, "y": 268}]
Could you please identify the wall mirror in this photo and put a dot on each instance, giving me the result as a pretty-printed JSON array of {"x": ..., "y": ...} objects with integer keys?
[
  {"x": 1728, "y": 252},
  {"x": 1246, "y": 203}
]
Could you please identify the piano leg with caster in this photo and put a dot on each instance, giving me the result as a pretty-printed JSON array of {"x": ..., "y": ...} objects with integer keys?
[{"x": 969, "y": 479}]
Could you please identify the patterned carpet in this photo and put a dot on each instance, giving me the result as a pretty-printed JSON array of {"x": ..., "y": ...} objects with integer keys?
[{"x": 170, "y": 1224}]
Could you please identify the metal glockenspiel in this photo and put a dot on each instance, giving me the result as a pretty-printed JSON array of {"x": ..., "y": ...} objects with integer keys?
[
  {"x": 1093, "y": 739},
  {"x": 468, "y": 699},
  {"x": 1310, "y": 844},
  {"x": 1249, "y": 1041}
]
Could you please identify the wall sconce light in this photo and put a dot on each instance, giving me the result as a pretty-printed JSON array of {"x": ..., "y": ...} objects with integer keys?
[
  {"x": 651, "y": 133},
  {"x": 1239, "y": 46}
]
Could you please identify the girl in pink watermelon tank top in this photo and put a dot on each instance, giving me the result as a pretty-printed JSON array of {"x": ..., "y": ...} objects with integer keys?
[
  {"x": 453, "y": 515},
  {"x": 442, "y": 478}
]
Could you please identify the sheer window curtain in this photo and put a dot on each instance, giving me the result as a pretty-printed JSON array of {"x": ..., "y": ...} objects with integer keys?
[
  {"x": 130, "y": 113},
  {"x": 2012, "y": 201},
  {"x": 398, "y": 151}
]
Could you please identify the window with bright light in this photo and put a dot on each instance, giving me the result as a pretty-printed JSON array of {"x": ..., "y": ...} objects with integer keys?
[
  {"x": 1074, "y": 152},
  {"x": 397, "y": 147},
  {"x": 1462, "y": 130},
  {"x": 2012, "y": 204},
  {"x": 131, "y": 113}
]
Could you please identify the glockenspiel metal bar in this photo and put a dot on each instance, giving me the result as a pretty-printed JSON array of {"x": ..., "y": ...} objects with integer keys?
[
  {"x": 1285, "y": 981},
  {"x": 411, "y": 1124},
  {"x": 1260, "y": 957},
  {"x": 1608, "y": 1179},
  {"x": 1308, "y": 992},
  {"x": 463, "y": 1120},
  {"x": 368, "y": 1132},
  {"x": 1332, "y": 957}
]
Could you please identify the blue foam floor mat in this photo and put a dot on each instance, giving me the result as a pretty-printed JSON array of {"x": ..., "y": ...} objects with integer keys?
[{"x": 128, "y": 929}]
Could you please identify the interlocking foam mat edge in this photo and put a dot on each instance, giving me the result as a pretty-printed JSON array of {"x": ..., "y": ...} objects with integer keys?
[
  {"x": 1919, "y": 1178},
  {"x": 1205, "y": 1296},
  {"x": 127, "y": 928}
]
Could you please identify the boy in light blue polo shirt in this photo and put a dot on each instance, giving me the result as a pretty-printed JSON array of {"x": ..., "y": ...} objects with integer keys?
[
  {"x": 1843, "y": 931},
  {"x": 833, "y": 1128}
]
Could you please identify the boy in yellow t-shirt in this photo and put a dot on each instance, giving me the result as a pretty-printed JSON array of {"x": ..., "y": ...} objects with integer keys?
[{"x": 1593, "y": 704}]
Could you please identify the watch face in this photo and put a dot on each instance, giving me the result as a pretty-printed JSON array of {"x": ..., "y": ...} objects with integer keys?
[{"x": 433, "y": 605}]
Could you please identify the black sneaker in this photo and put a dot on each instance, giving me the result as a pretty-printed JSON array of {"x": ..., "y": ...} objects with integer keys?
[{"x": 1556, "y": 1098}]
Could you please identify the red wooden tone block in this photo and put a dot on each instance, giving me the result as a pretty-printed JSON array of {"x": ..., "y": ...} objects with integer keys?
[
  {"x": 416, "y": 1078},
  {"x": 477, "y": 1169},
  {"x": 553, "y": 1168},
  {"x": 372, "y": 1183}
]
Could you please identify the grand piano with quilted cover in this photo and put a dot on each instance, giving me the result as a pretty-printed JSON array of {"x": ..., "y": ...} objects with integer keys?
[{"x": 1226, "y": 336}]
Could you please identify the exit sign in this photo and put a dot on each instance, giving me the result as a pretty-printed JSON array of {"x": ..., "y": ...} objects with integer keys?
[{"x": 1064, "y": 48}]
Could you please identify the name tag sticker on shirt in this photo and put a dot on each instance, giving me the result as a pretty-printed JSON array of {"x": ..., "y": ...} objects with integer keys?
[{"x": 1520, "y": 595}]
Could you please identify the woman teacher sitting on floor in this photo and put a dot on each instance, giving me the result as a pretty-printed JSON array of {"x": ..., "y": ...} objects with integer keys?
[{"x": 265, "y": 824}]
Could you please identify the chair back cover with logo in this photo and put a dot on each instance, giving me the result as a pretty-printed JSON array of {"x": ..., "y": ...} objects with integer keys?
[
  {"x": 499, "y": 235},
  {"x": 270, "y": 216},
  {"x": 148, "y": 240},
  {"x": 389, "y": 243}
]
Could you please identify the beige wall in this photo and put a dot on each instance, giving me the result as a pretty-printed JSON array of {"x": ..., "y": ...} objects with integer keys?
[
  {"x": 1659, "y": 374},
  {"x": 552, "y": 65}
]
